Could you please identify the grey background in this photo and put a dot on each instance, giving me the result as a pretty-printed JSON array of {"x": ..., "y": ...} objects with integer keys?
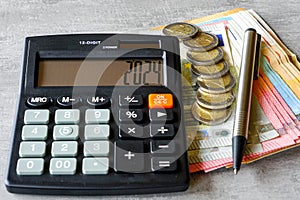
[{"x": 276, "y": 177}]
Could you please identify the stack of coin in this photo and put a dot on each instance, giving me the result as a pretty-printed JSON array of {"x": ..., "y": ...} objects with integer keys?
[{"x": 214, "y": 95}]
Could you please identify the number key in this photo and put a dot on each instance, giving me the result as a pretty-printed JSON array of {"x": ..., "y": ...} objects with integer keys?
[
  {"x": 67, "y": 116},
  {"x": 63, "y": 166},
  {"x": 64, "y": 149},
  {"x": 30, "y": 166},
  {"x": 36, "y": 117},
  {"x": 96, "y": 148},
  {"x": 97, "y": 116},
  {"x": 32, "y": 149},
  {"x": 34, "y": 132}
]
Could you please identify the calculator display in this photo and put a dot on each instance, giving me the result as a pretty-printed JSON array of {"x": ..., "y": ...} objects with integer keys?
[{"x": 127, "y": 72}]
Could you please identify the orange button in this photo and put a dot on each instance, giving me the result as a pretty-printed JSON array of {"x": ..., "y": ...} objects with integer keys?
[{"x": 160, "y": 101}]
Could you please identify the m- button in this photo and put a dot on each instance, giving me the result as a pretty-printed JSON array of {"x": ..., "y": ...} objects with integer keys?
[{"x": 67, "y": 101}]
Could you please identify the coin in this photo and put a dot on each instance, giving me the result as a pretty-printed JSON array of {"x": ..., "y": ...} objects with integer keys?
[
  {"x": 210, "y": 71},
  {"x": 181, "y": 30},
  {"x": 214, "y": 101},
  {"x": 203, "y": 41},
  {"x": 210, "y": 117},
  {"x": 216, "y": 85},
  {"x": 205, "y": 58}
]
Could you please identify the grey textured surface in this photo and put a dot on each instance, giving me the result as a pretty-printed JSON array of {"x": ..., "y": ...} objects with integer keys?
[{"x": 276, "y": 177}]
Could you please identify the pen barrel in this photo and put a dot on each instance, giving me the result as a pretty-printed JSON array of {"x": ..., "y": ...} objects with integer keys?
[{"x": 244, "y": 94}]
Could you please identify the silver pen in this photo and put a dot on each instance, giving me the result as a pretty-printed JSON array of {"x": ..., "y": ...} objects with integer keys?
[{"x": 248, "y": 72}]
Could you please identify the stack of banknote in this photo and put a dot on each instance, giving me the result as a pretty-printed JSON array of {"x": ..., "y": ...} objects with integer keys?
[{"x": 275, "y": 110}]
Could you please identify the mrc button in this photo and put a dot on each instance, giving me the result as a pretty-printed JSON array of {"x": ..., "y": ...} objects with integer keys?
[
  {"x": 160, "y": 101},
  {"x": 38, "y": 101}
]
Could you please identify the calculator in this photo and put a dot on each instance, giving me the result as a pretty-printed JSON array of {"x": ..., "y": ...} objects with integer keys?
[{"x": 99, "y": 114}]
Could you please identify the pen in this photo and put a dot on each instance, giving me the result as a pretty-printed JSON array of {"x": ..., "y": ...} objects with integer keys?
[{"x": 248, "y": 72}]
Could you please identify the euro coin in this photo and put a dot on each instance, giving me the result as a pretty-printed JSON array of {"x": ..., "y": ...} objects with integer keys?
[
  {"x": 214, "y": 101},
  {"x": 209, "y": 116},
  {"x": 205, "y": 58},
  {"x": 210, "y": 71},
  {"x": 203, "y": 41},
  {"x": 181, "y": 30},
  {"x": 216, "y": 85}
]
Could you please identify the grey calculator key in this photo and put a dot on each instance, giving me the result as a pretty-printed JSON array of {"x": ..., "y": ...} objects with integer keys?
[
  {"x": 96, "y": 132},
  {"x": 95, "y": 166},
  {"x": 36, "y": 116},
  {"x": 96, "y": 148},
  {"x": 93, "y": 116},
  {"x": 32, "y": 149},
  {"x": 30, "y": 166},
  {"x": 63, "y": 166},
  {"x": 65, "y": 132},
  {"x": 67, "y": 116},
  {"x": 34, "y": 132},
  {"x": 64, "y": 149}
]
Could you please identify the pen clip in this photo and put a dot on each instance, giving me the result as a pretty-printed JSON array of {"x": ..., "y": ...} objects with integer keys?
[{"x": 257, "y": 57}]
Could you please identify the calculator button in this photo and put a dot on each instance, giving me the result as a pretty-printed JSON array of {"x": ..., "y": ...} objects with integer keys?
[
  {"x": 161, "y": 115},
  {"x": 160, "y": 101},
  {"x": 162, "y": 131},
  {"x": 95, "y": 166},
  {"x": 163, "y": 164},
  {"x": 65, "y": 132},
  {"x": 126, "y": 115},
  {"x": 67, "y": 101},
  {"x": 63, "y": 166},
  {"x": 64, "y": 148},
  {"x": 38, "y": 102},
  {"x": 96, "y": 132},
  {"x": 129, "y": 156},
  {"x": 30, "y": 166},
  {"x": 70, "y": 116},
  {"x": 134, "y": 100},
  {"x": 36, "y": 117},
  {"x": 32, "y": 149},
  {"x": 96, "y": 148},
  {"x": 162, "y": 147},
  {"x": 98, "y": 101},
  {"x": 94, "y": 116},
  {"x": 131, "y": 131},
  {"x": 34, "y": 132}
]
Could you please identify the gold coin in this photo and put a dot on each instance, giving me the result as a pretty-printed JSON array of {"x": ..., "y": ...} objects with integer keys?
[
  {"x": 205, "y": 58},
  {"x": 210, "y": 71},
  {"x": 216, "y": 85},
  {"x": 210, "y": 117},
  {"x": 214, "y": 101},
  {"x": 181, "y": 30},
  {"x": 202, "y": 42}
]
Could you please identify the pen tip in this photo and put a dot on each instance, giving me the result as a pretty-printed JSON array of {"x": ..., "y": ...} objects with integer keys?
[{"x": 235, "y": 171}]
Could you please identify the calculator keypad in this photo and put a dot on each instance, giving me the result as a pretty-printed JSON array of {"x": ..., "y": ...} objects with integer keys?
[{"x": 128, "y": 150}]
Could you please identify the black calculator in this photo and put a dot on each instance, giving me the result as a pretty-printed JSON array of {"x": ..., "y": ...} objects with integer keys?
[{"x": 99, "y": 114}]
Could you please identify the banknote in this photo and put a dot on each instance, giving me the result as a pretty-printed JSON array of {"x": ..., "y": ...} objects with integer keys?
[{"x": 275, "y": 105}]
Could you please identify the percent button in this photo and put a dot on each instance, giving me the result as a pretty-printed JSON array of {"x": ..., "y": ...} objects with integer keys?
[{"x": 126, "y": 115}]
